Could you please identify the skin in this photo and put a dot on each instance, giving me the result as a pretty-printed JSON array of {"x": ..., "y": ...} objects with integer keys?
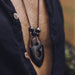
[{"x": 32, "y": 6}]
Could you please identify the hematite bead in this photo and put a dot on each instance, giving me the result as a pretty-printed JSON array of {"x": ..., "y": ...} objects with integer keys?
[
  {"x": 31, "y": 29},
  {"x": 38, "y": 30},
  {"x": 34, "y": 33}
]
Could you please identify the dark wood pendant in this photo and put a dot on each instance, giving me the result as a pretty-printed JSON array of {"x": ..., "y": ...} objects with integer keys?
[{"x": 36, "y": 51}]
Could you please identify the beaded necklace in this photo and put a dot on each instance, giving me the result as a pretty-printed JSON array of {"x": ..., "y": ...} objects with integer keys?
[{"x": 35, "y": 48}]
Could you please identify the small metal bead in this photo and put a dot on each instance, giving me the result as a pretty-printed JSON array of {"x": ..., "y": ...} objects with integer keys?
[
  {"x": 38, "y": 30},
  {"x": 31, "y": 29},
  {"x": 34, "y": 33}
]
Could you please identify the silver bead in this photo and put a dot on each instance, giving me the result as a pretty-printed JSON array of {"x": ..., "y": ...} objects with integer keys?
[
  {"x": 38, "y": 30},
  {"x": 31, "y": 29}
]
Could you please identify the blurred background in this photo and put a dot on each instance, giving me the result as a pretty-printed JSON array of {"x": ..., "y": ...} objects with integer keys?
[{"x": 68, "y": 7}]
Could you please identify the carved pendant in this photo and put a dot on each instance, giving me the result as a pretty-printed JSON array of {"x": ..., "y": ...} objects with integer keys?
[{"x": 36, "y": 51}]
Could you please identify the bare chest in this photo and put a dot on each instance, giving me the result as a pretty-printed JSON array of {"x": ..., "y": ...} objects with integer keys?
[{"x": 32, "y": 6}]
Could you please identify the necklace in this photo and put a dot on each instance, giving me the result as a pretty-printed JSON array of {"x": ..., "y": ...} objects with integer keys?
[{"x": 36, "y": 49}]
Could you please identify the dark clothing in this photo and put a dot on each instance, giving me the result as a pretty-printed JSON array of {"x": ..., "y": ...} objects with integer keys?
[{"x": 12, "y": 60}]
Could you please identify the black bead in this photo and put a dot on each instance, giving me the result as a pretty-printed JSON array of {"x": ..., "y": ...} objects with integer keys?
[
  {"x": 34, "y": 33},
  {"x": 31, "y": 29},
  {"x": 37, "y": 34},
  {"x": 38, "y": 30}
]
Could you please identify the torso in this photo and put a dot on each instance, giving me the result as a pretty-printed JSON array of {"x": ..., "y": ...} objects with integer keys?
[{"x": 32, "y": 6}]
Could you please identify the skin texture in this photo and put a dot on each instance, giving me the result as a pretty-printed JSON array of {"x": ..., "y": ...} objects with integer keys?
[{"x": 32, "y": 7}]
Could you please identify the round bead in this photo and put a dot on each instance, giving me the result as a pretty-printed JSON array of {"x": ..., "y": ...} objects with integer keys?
[
  {"x": 37, "y": 34},
  {"x": 38, "y": 30},
  {"x": 34, "y": 33},
  {"x": 31, "y": 29}
]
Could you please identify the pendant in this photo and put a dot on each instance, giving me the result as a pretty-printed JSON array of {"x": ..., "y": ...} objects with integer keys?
[{"x": 36, "y": 51}]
